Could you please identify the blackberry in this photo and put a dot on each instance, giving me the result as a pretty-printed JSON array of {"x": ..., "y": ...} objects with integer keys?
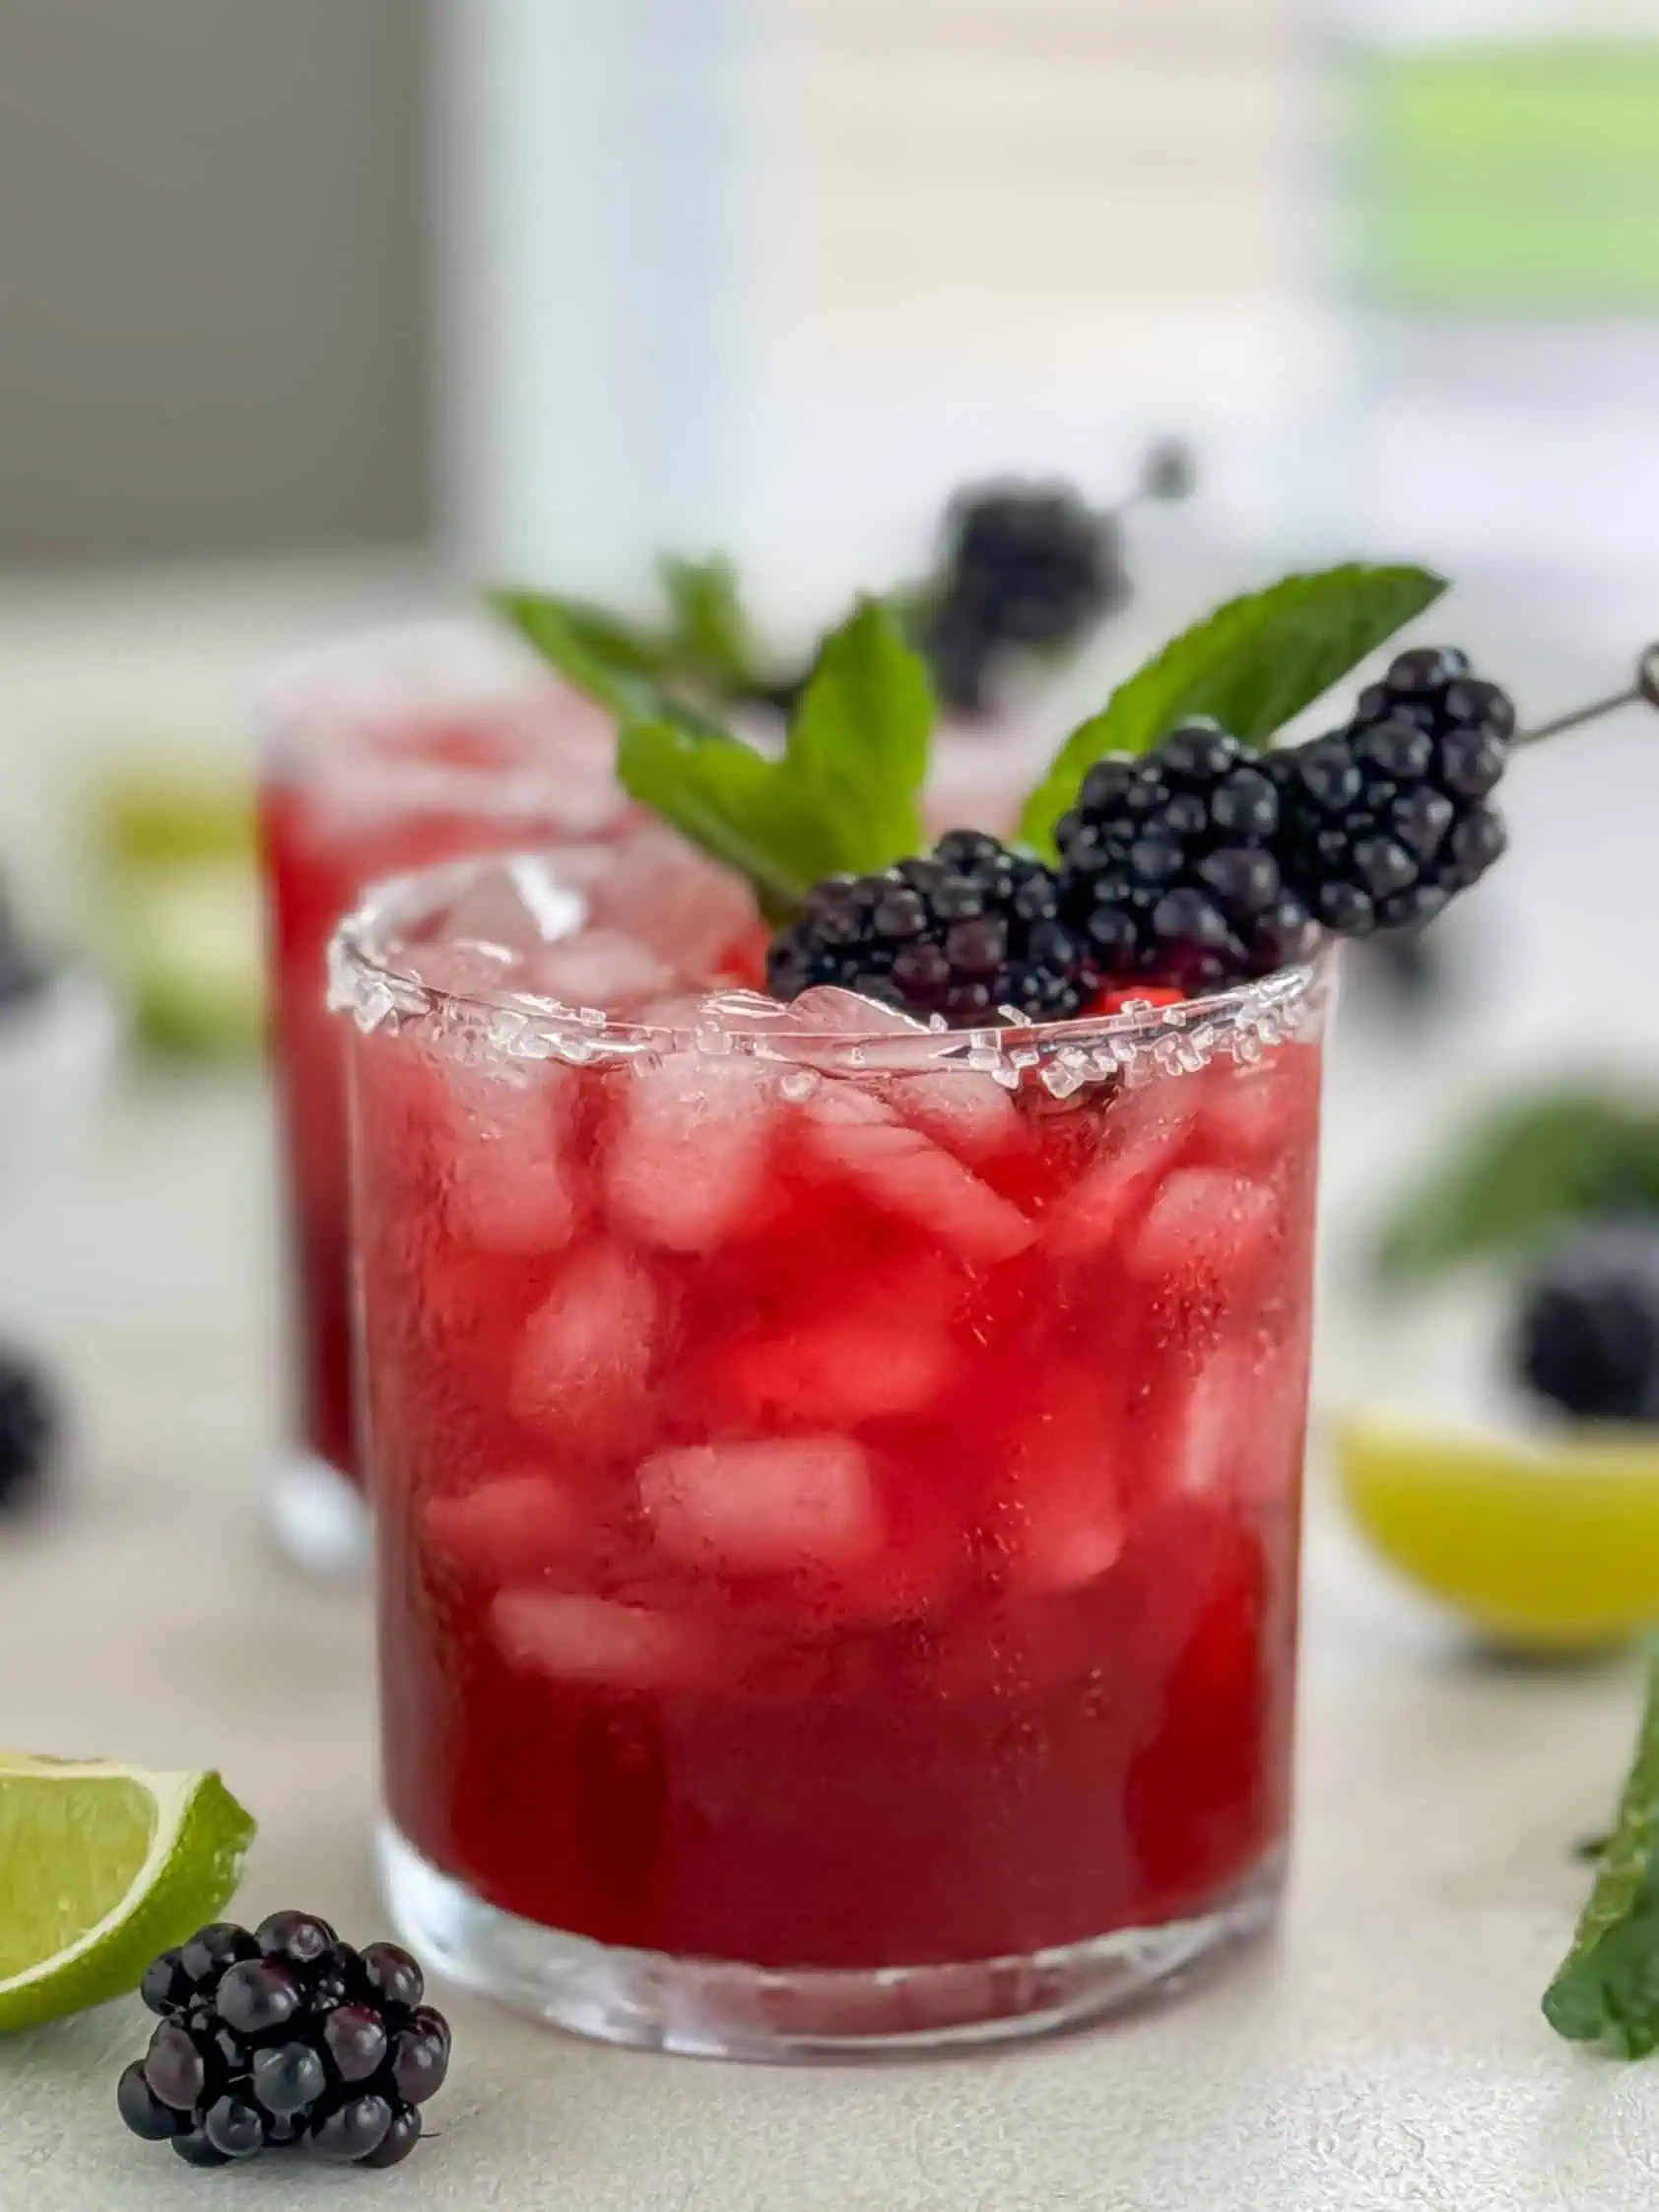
[
  {"x": 964, "y": 933},
  {"x": 285, "y": 2037},
  {"x": 1586, "y": 1336},
  {"x": 28, "y": 1428},
  {"x": 1386, "y": 819},
  {"x": 1025, "y": 567},
  {"x": 1170, "y": 866}
]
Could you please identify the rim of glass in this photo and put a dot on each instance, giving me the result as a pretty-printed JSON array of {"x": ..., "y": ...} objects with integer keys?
[
  {"x": 374, "y": 981},
  {"x": 313, "y": 712}
]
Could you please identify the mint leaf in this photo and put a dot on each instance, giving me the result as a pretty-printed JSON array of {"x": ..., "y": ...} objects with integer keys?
[
  {"x": 711, "y": 639},
  {"x": 1608, "y": 1991},
  {"x": 845, "y": 795},
  {"x": 1518, "y": 1176},
  {"x": 619, "y": 665},
  {"x": 1252, "y": 664},
  {"x": 861, "y": 736}
]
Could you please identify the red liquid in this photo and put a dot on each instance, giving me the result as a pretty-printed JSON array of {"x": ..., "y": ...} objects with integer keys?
[
  {"x": 342, "y": 806},
  {"x": 820, "y": 1533}
]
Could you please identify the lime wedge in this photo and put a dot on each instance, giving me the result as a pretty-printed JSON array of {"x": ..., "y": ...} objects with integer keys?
[
  {"x": 1541, "y": 1549},
  {"x": 101, "y": 1867}
]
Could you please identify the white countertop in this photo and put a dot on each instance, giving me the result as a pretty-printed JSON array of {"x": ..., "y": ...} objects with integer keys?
[{"x": 1387, "y": 2054}]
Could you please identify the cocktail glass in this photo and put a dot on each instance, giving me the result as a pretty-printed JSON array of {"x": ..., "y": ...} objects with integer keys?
[
  {"x": 837, "y": 1482},
  {"x": 378, "y": 757}
]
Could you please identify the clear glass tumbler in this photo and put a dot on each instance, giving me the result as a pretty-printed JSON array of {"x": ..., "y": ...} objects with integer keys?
[
  {"x": 379, "y": 756},
  {"x": 838, "y": 1485}
]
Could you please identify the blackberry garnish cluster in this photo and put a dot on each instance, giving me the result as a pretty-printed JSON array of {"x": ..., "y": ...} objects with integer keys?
[
  {"x": 28, "y": 1428},
  {"x": 1385, "y": 820},
  {"x": 1587, "y": 1335},
  {"x": 282, "y": 2037},
  {"x": 1025, "y": 568},
  {"x": 1170, "y": 866},
  {"x": 963, "y": 934}
]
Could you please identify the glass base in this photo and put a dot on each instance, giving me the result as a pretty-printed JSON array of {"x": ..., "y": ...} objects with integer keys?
[
  {"x": 319, "y": 1518},
  {"x": 710, "y": 2008}
]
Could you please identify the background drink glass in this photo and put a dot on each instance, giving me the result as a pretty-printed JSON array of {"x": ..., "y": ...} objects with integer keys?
[
  {"x": 379, "y": 756},
  {"x": 838, "y": 1486}
]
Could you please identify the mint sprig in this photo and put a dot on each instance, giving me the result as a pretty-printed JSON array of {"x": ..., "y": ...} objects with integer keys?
[
  {"x": 1606, "y": 1991},
  {"x": 706, "y": 650},
  {"x": 1253, "y": 664},
  {"x": 843, "y": 796}
]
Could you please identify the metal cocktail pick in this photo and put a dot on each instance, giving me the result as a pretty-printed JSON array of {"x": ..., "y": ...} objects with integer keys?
[{"x": 1646, "y": 685}]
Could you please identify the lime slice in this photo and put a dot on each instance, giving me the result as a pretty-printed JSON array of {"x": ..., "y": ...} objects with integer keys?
[
  {"x": 101, "y": 1867},
  {"x": 1541, "y": 1549}
]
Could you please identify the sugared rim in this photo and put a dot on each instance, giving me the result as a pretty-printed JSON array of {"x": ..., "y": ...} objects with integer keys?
[{"x": 372, "y": 980}]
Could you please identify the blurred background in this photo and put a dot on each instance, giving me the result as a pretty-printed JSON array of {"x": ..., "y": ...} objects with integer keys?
[{"x": 319, "y": 314}]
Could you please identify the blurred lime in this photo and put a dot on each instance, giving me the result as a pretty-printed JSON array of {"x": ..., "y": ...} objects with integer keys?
[
  {"x": 175, "y": 843},
  {"x": 1541, "y": 1549},
  {"x": 102, "y": 1866}
]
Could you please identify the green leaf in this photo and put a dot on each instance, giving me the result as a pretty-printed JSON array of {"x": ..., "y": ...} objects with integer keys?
[
  {"x": 614, "y": 663},
  {"x": 845, "y": 795},
  {"x": 1519, "y": 1174},
  {"x": 1253, "y": 664},
  {"x": 1606, "y": 1991},
  {"x": 711, "y": 639},
  {"x": 861, "y": 734}
]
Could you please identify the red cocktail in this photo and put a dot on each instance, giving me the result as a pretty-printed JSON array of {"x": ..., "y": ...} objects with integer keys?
[
  {"x": 378, "y": 758},
  {"x": 838, "y": 1482}
]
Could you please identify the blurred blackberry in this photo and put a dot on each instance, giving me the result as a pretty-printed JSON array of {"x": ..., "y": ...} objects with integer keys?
[
  {"x": 964, "y": 933},
  {"x": 1025, "y": 567},
  {"x": 28, "y": 1428},
  {"x": 1586, "y": 1335},
  {"x": 1386, "y": 819},
  {"x": 1168, "y": 866},
  {"x": 255, "y": 2049}
]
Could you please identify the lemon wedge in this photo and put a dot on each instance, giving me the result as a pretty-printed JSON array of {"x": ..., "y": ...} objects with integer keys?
[{"x": 1543, "y": 1548}]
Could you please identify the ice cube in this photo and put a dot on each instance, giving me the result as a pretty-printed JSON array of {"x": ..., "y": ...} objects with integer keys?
[
  {"x": 1254, "y": 1114},
  {"x": 900, "y": 1169},
  {"x": 685, "y": 909},
  {"x": 956, "y": 1106},
  {"x": 511, "y": 1529},
  {"x": 1063, "y": 1481},
  {"x": 779, "y": 1506},
  {"x": 577, "y": 1638},
  {"x": 689, "y": 1151},
  {"x": 587, "y": 1351},
  {"x": 847, "y": 1369},
  {"x": 506, "y": 1189},
  {"x": 1204, "y": 1222},
  {"x": 1146, "y": 1131},
  {"x": 603, "y": 967}
]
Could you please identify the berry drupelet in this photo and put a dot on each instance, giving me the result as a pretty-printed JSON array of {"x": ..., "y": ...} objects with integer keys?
[
  {"x": 1170, "y": 866},
  {"x": 1027, "y": 566},
  {"x": 964, "y": 933},
  {"x": 1586, "y": 1337},
  {"x": 1384, "y": 819},
  {"x": 284, "y": 2036}
]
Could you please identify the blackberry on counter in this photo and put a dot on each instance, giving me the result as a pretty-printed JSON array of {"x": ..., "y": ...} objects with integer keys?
[
  {"x": 1169, "y": 865},
  {"x": 281, "y": 2037},
  {"x": 1587, "y": 1333},
  {"x": 1026, "y": 566},
  {"x": 963, "y": 934},
  {"x": 1385, "y": 820},
  {"x": 28, "y": 1428}
]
